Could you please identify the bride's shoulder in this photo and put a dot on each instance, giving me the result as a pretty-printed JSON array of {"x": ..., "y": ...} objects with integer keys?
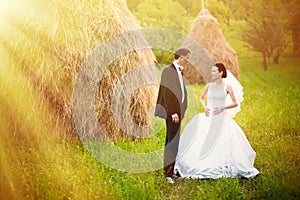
[
  {"x": 228, "y": 86},
  {"x": 208, "y": 84}
]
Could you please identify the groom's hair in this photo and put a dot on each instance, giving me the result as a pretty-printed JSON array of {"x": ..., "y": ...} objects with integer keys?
[
  {"x": 181, "y": 52},
  {"x": 221, "y": 67}
]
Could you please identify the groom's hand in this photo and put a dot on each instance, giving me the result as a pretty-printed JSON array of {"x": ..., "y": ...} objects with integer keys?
[{"x": 175, "y": 118}]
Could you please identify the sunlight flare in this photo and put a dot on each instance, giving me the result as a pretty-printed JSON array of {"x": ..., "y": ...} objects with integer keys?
[{"x": 8, "y": 6}]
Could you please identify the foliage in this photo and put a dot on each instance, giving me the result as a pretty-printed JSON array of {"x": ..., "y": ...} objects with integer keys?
[
  {"x": 161, "y": 14},
  {"x": 219, "y": 10},
  {"x": 292, "y": 14},
  {"x": 265, "y": 33},
  {"x": 158, "y": 13},
  {"x": 239, "y": 9},
  {"x": 271, "y": 39},
  {"x": 193, "y": 7}
]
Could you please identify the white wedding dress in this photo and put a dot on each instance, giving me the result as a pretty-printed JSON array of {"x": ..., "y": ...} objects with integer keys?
[{"x": 215, "y": 146}]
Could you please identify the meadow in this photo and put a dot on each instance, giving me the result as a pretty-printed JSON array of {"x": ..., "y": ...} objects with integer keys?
[{"x": 37, "y": 164}]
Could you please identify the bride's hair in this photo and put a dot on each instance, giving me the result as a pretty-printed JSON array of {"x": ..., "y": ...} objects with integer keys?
[{"x": 221, "y": 67}]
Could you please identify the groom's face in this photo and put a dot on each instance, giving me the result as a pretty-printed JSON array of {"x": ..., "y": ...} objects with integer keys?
[{"x": 183, "y": 60}]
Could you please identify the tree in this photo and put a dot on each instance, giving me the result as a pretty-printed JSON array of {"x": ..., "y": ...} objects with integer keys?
[
  {"x": 239, "y": 9},
  {"x": 219, "y": 10},
  {"x": 164, "y": 14},
  {"x": 131, "y": 4},
  {"x": 292, "y": 14},
  {"x": 264, "y": 32},
  {"x": 192, "y": 7}
]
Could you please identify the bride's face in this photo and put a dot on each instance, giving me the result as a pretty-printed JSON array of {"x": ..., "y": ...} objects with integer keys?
[{"x": 215, "y": 74}]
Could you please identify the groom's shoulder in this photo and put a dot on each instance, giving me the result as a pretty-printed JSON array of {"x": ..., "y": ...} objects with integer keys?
[{"x": 169, "y": 67}]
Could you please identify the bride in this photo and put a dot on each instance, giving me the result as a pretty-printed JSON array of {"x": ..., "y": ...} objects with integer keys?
[{"x": 212, "y": 144}]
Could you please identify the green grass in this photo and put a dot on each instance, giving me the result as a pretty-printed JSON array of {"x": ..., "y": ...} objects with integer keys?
[
  {"x": 269, "y": 118},
  {"x": 36, "y": 166}
]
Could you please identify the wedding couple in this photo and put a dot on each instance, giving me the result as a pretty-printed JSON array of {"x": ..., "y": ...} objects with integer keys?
[{"x": 212, "y": 144}]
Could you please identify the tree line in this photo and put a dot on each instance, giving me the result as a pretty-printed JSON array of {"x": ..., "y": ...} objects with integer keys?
[{"x": 271, "y": 27}]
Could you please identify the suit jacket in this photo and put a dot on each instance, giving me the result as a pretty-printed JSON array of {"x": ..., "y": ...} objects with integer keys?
[{"x": 169, "y": 100}]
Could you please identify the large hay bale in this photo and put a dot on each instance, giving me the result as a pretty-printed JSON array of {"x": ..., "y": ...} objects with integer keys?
[
  {"x": 112, "y": 18},
  {"x": 206, "y": 31},
  {"x": 65, "y": 33}
]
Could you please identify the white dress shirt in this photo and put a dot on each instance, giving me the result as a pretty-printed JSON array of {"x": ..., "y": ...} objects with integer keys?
[{"x": 178, "y": 68}]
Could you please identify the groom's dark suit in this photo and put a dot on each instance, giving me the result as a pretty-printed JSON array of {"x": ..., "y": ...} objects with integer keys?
[{"x": 169, "y": 102}]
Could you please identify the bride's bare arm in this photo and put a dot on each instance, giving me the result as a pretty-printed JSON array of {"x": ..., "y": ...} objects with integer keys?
[
  {"x": 202, "y": 100},
  {"x": 234, "y": 102}
]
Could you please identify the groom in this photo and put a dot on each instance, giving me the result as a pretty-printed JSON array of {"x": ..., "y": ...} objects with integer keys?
[{"x": 171, "y": 106}]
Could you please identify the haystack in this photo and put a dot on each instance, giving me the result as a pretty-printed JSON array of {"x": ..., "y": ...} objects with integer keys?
[
  {"x": 206, "y": 31},
  {"x": 119, "y": 112},
  {"x": 65, "y": 39}
]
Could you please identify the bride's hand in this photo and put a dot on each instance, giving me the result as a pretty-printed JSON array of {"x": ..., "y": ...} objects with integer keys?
[
  {"x": 218, "y": 111},
  {"x": 206, "y": 111}
]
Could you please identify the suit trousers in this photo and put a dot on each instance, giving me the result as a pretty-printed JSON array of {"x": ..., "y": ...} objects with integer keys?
[{"x": 171, "y": 146}]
